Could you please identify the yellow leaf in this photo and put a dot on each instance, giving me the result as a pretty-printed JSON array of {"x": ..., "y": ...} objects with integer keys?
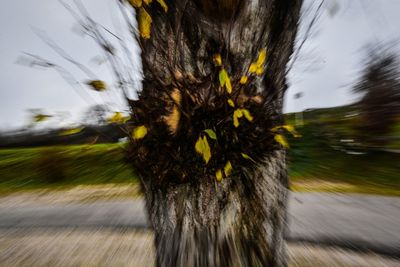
[
  {"x": 291, "y": 130},
  {"x": 71, "y": 131},
  {"x": 274, "y": 129},
  {"x": 228, "y": 85},
  {"x": 253, "y": 68},
  {"x": 203, "y": 148},
  {"x": 207, "y": 151},
  {"x": 135, "y": 3},
  {"x": 235, "y": 121},
  {"x": 218, "y": 175},
  {"x": 236, "y": 115},
  {"x": 240, "y": 112},
  {"x": 243, "y": 80},
  {"x": 227, "y": 171},
  {"x": 147, "y": 2},
  {"x": 139, "y": 132},
  {"x": 199, "y": 146},
  {"x": 247, "y": 114},
  {"x": 41, "y": 117},
  {"x": 256, "y": 69},
  {"x": 97, "y": 85},
  {"x": 118, "y": 117},
  {"x": 245, "y": 156},
  {"x": 217, "y": 59},
  {"x": 258, "y": 66},
  {"x": 287, "y": 127},
  {"x": 127, "y": 118},
  {"x": 281, "y": 140},
  {"x": 228, "y": 168},
  {"x": 260, "y": 70},
  {"x": 231, "y": 103},
  {"x": 144, "y": 23},
  {"x": 163, "y": 4},
  {"x": 261, "y": 57}
]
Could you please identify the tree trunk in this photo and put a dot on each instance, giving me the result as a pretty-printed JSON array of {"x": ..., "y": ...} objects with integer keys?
[{"x": 198, "y": 219}]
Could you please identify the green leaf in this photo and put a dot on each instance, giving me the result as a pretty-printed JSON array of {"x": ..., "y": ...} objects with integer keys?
[
  {"x": 224, "y": 80},
  {"x": 223, "y": 76},
  {"x": 245, "y": 156},
  {"x": 211, "y": 134}
]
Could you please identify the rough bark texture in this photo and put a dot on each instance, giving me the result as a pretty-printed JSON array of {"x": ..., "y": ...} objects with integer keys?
[{"x": 198, "y": 221}]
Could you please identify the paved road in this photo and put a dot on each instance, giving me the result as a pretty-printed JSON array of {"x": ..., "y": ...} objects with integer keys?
[{"x": 355, "y": 221}]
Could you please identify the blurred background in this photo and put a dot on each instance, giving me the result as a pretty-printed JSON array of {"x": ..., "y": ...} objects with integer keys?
[{"x": 64, "y": 182}]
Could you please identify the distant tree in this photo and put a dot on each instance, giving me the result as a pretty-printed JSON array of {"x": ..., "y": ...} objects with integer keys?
[
  {"x": 96, "y": 115},
  {"x": 379, "y": 105}
]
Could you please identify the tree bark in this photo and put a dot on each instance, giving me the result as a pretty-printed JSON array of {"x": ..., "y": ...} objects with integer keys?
[{"x": 197, "y": 220}]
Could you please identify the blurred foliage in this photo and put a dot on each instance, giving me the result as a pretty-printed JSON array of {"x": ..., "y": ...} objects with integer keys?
[
  {"x": 379, "y": 86},
  {"x": 28, "y": 168},
  {"x": 328, "y": 157},
  {"x": 329, "y": 152},
  {"x": 97, "y": 85},
  {"x": 52, "y": 165}
]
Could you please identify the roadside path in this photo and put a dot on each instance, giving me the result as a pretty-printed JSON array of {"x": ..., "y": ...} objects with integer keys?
[{"x": 358, "y": 222}]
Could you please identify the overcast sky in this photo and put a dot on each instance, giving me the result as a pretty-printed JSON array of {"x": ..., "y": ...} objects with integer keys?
[{"x": 327, "y": 66}]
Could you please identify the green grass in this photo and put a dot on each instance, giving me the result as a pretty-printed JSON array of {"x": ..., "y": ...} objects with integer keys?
[
  {"x": 29, "y": 168},
  {"x": 313, "y": 164},
  {"x": 316, "y": 166}
]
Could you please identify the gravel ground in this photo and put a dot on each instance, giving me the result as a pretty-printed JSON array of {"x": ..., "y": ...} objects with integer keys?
[
  {"x": 122, "y": 246},
  {"x": 75, "y": 194},
  {"x": 127, "y": 247}
]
